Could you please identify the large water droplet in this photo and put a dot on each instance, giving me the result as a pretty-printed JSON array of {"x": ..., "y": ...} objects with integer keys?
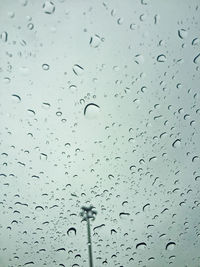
[
  {"x": 71, "y": 231},
  {"x": 161, "y": 58},
  {"x": 48, "y": 7},
  {"x": 141, "y": 245},
  {"x": 170, "y": 246},
  {"x": 176, "y": 143},
  {"x": 91, "y": 111},
  {"x": 182, "y": 33}
]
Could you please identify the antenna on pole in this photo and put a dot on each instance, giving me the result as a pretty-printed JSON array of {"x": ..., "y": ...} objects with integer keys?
[{"x": 88, "y": 213}]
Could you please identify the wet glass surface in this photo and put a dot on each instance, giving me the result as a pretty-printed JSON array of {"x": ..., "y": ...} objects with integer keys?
[{"x": 100, "y": 105}]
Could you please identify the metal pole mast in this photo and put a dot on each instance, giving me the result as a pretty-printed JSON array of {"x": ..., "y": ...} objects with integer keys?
[{"x": 88, "y": 213}]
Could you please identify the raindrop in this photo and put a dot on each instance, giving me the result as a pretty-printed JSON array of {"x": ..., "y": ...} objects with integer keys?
[
  {"x": 46, "y": 105},
  {"x": 71, "y": 231},
  {"x": 170, "y": 246},
  {"x": 35, "y": 176},
  {"x": 82, "y": 101},
  {"x": 161, "y": 58},
  {"x": 133, "y": 26},
  {"x": 23, "y": 2},
  {"x": 61, "y": 249},
  {"x": 58, "y": 113},
  {"x": 99, "y": 226},
  {"x": 151, "y": 259},
  {"x": 91, "y": 110},
  {"x": 11, "y": 14},
  {"x": 31, "y": 112},
  {"x": 39, "y": 208},
  {"x": 7, "y": 80},
  {"x": 123, "y": 214},
  {"x": 195, "y": 41},
  {"x": 145, "y": 207},
  {"x": 43, "y": 156},
  {"x": 196, "y": 60},
  {"x": 139, "y": 59},
  {"x": 197, "y": 178},
  {"x": 45, "y": 67},
  {"x": 77, "y": 69},
  {"x": 182, "y": 33},
  {"x": 113, "y": 231},
  {"x": 4, "y": 37},
  {"x": 195, "y": 158},
  {"x": 153, "y": 159},
  {"x": 142, "y": 17},
  {"x": 95, "y": 41},
  {"x": 156, "y": 18},
  {"x": 30, "y": 26},
  {"x": 141, "y": 245},
  {"x": 176, "y": 143},
  {"x": 17, "y": 98},
  {"x": 120, "y": 21},
  {"x": 73, "y": 87},
  {"x": 48, "y": 7}
]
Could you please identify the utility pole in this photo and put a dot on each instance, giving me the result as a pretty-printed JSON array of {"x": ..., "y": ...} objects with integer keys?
[{"x": 89, "y": 213}]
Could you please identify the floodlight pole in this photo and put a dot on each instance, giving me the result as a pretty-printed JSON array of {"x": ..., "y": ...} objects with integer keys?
[
  {"x": 89, "y": 243},
  {"x": 88, "y": 213}
]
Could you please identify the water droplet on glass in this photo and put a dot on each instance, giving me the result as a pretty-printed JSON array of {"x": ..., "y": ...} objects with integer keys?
[
  {"x": 11, "y": 14},
  {"x": 48, "y": 7},
  {"x": 58, "y": 113},
  {"x": 6, "y": 80},
  {"x": 71, "y": 231},
  {"x": 31, "y": 112},
  {"x": 139, "y": 59},
  {"x": 120, "y": 21},
  {"x": 45, "y": 67},
  {"x": 43, "y": 156},
  {"x": 146, "y": 207},
  {"x": 156, "y": 19},
  {"x": 39, "y": 208},
  {"x": 195, "y": 41},
  {"x": 73, "y": 88},
  {"x": 170, "y": 246},
  {"x": 78, "y": 70},
  {"x": 91, "y": 111},
  {"x": 4, "y": 36},
  {"x": 133, "y": 26},
  {"x": 176, "y": 143},
  {"x": 124, "y": 214},
  {"x": 196, "y": 60},
  {"x": 141, "y": 245},
  {"x": 95, "y": 41},
  {"x": 182, "y": 33},
  {"x": 46, "y": 105},
  {"x": 30, "y": 26},
  {"x": 16, "y": 98},
  {"x": 161, "y": 58}
]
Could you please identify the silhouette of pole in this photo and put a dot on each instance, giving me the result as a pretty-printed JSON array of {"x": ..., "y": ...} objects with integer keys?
[{"x": 88, "y": 213}]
